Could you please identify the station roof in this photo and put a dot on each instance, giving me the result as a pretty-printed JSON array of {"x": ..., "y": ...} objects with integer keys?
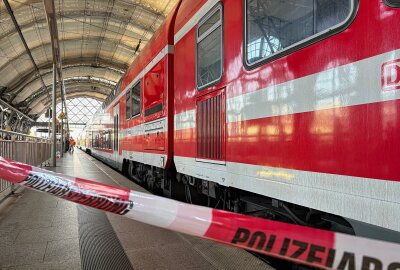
[{"x": 97, "y": 38}]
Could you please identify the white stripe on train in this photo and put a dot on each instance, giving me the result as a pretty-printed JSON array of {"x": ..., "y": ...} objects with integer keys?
[
  {"x": 153, "y": 159},
  {"x": 318, "y": 91},
  {"x": 159, "y": 125}
]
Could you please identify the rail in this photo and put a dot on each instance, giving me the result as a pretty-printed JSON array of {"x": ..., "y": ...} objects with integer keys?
[{"x": 23, "y": 148}]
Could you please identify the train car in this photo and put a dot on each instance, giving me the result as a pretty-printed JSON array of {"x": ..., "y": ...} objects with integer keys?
[
  {"x": 286, "y": 109},
  {"x": 134, "y": 128}
]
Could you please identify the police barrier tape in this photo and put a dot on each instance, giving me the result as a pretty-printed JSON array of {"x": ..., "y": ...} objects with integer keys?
[{"x": 314, "y": 247}]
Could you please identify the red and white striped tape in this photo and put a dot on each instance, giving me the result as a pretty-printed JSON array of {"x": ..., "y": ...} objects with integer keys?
[{"x": 323, "y": 249}]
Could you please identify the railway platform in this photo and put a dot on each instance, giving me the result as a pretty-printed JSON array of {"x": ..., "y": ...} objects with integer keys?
[{"x": 38, "y": 231}]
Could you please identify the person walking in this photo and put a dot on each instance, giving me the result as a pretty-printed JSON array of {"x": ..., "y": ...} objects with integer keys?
[{"x": 71, "y": 145}]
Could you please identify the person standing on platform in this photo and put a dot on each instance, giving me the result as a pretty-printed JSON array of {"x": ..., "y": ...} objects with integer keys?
[{"x": 66, "y": 145}]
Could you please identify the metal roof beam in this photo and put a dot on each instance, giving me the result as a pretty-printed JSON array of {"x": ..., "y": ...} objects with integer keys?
[
  {"x": 10, "y": 12},
  {"x": 26, "y": 78},
  {"x": 125, "y": 3},
  {"x": 41, "y": 46},
  {"x": 75, "y": 15},
  {"x": 4, "y": 105},
  {"x": 88, "y": 79},
  {"x": 25, "y": 82}
]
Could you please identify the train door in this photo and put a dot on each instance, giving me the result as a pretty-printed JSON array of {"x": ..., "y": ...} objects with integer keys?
[
  {"x": 210, "y": 100},
  {"x": 116, "y": 135}
]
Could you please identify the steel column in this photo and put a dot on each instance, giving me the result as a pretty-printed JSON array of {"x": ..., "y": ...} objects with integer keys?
[
  {"x": 62, "y": 126},
  {"x": 53, "y": 126},
  {"x": 9, "y": 120},
  {"x": 1, "y": 119}
]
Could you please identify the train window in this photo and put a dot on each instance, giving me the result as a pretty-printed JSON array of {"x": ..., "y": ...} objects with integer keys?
[
  {"x": 274, "y": 27},
  {"x": 136, "y": 99},
  {"x": 96, "y": 141},
  {"x": 210, "y": 48},
  {"x": 116, "y": 132},
  {"x": 109, "y": 140},
  {"x": 128, "y": 104}
]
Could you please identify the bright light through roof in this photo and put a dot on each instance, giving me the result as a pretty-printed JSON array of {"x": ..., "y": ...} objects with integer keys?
[{"x": 80, "y": 111}]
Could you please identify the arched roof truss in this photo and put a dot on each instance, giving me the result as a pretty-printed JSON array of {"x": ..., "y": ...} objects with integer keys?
[{"x": 97, "y": 41}]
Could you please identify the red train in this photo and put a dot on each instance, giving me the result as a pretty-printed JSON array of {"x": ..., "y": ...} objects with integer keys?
[{"x": 287, "y": 109}]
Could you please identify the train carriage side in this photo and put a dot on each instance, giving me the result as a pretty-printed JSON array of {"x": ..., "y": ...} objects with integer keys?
[
  {"x": 100, "y": 137},
  {"x": 296, "y": 101},
  {"x": 140, "y": 113}
]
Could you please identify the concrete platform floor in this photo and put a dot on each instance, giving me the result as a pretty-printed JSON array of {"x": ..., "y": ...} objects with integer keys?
[{"x": 38, "y": 231}]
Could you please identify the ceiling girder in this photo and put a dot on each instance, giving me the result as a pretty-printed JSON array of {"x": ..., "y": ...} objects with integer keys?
[
  {"x": 27, "y": 50},
  {"x": 75, "y": 62},
  {"x": 125, "y": 3},
  {"x": 48, "y": 44},
  {"x": 38, "y": 94},
  {"x": 48, "y": 72},
  {"x": 6, "y": 106},
  {"x": 74, "y": 19}
]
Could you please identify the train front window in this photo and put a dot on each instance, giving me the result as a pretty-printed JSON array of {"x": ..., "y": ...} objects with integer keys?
[
  {"x": 209, "y": 48},
  {"x": 275, "y": 26}
]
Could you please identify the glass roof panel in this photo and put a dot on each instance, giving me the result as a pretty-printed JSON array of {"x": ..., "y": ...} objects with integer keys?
[{"x": 80, "y": 110}]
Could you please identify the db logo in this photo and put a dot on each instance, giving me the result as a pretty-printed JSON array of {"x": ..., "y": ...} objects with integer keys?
[{"x": 391, "y": 75}]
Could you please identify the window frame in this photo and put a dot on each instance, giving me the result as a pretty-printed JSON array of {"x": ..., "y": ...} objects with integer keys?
[
  {"x": 128, "y": 116},
  {"x": 392, "y": 4},
  {"x": 198, "y": 39},
  {"x": 300, "y": 44},
  {"x": 140, "y": 101}
]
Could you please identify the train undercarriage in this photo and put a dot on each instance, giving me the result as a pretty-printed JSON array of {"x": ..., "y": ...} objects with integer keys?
[{"x": 192, "y": 190}]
